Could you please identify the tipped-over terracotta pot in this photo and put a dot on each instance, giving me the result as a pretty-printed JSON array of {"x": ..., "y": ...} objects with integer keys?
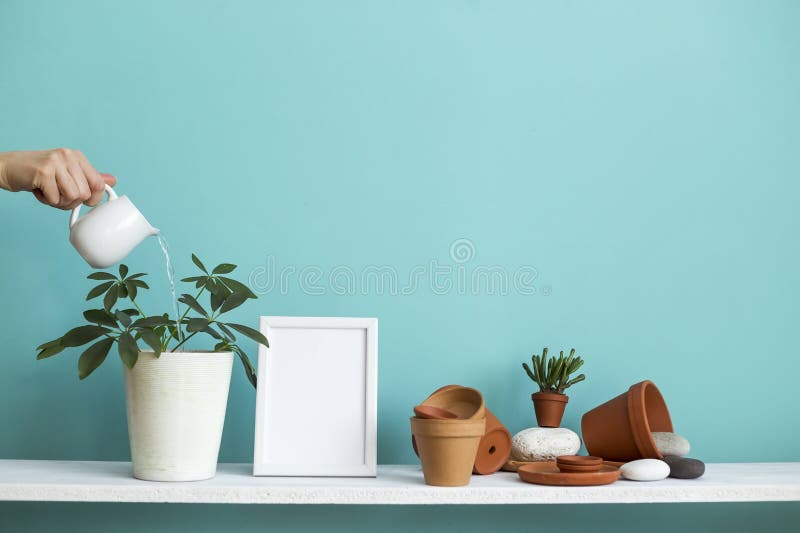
[
  {"x": 465, "y": 402},
  {"x": 620, "y": 429},
  {"x": 549, "y": 407},
  {"x": 447, "y": 449}
]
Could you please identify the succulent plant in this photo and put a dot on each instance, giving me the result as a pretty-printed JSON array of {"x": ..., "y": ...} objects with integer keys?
[{"x": 552, "y": 374}]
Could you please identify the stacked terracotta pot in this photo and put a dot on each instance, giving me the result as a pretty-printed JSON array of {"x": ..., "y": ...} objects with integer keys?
[{"x": 455, "y": 435}]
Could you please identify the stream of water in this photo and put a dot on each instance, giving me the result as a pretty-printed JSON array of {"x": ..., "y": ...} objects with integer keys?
[{"x": 162, "y": 241}]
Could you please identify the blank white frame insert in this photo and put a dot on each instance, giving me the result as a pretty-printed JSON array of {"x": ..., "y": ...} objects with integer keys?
[{"x": 317, "y": 397}]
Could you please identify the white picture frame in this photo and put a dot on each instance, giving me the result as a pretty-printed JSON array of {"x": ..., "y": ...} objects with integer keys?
[{"x": 317, "y": 397}]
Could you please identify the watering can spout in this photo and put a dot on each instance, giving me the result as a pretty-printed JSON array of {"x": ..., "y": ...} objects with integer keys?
[{"x": 154, "y": 231}]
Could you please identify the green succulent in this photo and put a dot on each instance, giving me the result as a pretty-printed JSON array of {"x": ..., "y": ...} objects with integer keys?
[{"x": 552, "y": 374}]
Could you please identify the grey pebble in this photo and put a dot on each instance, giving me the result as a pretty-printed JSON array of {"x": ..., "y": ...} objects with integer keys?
[{"x": 684, "y": 467}]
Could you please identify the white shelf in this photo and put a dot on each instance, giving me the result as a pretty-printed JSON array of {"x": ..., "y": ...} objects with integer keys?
[{"x": 94, "y": 481}]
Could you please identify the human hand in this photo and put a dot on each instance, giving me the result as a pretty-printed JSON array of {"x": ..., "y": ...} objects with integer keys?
[{"x": 60, "y": 178}]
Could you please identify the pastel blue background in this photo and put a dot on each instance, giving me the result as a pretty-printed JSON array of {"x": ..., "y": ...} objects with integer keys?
[{"x": 642, "y": 156}]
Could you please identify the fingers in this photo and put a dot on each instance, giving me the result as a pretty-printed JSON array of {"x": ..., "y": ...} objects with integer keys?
[
  {"x": 95, "y": 182},
  {"x": 48, "y": 192},
  {"x": 68, "y": 190},
  {"x": 109, "y": 179}
]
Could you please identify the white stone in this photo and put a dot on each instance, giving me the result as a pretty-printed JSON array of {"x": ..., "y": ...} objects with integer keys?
[
  {"x": 544, "y": 444},
  {"x": 671, "y": 443},
  {"x": 645, "y": 470}
]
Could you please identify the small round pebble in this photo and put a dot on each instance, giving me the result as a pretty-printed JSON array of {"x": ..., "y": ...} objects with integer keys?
[
  {"x": 671, "y": 443},
  {"x": 684, "y": 467},
  {"x": 645, "y": 470}
]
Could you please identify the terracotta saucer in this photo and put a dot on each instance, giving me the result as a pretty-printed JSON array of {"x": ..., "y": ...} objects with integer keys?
[
  {"x": 579, "y": 460},
  {"x": 547, "y": 473},
  {"x": 433, "y": 412}
]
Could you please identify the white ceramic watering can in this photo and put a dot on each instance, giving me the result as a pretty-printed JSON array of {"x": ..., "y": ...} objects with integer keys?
[{"x": 109, "y": 232}]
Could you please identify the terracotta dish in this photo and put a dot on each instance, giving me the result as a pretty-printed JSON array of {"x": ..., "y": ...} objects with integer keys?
[
  {"x": 547, "y": 473},
  {"x": 435, "y": 413},
  {"x": 621, "y": 428},
  {"x": 579, "y": 460}
]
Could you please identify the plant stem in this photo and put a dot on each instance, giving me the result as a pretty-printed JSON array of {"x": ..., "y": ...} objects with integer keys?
[
  {"x": 138, "y": 308},
  {"x": 175, "y": 349},
  {"x": 178, "y": 323}
]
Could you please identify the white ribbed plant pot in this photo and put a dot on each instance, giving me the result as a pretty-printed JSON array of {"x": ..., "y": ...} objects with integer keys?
[{"x": 176, "y": 409}]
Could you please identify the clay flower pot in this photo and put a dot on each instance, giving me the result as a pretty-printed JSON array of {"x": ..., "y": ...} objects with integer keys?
[
  {"x": 549, "y": 407},
  {"x": 465, "y": 402},
  {"x": 620, "y": 429},
  {"x": 447, "y": 449},
  {"x": 495, "y": 446}
]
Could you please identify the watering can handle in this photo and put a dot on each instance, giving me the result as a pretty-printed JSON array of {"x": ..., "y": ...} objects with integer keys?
[{"x": 75, "y": 212}]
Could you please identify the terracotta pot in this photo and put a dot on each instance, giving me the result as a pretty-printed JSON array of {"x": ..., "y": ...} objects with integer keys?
[
  {"x": 465, "y": 402},
  {"x": 620, "y": 429},
  {"x": 447, "y": 449},
  {"x": 495, "y": 445},
  {"x": 429, "y": 411},
  {"x": 549, "y": 407}
]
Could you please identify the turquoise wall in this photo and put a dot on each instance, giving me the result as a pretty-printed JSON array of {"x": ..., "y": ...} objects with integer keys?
[{"x": 640, "y": 157}]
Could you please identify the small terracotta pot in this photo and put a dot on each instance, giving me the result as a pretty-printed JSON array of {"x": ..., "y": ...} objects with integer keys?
[
  {"x": 495, "y": 446},
  {"x": 549, "y": 407},
  {"x": 579, "y": 460},
  {"x": 620, "y": 429},
  {"x": 429, "y": 411},
  {"x": 447, "y": 449},
  {"x": 465, "y": 402}
]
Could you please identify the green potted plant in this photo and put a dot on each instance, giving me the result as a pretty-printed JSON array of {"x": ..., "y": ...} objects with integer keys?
[
  {"x": 175, "y": 399},
  {"x": 552, "y": 374}
]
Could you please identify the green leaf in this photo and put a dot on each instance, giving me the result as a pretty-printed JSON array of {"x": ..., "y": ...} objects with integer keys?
[
  {"x": 122, "y": 290},
  {"x": 236, "y": 286},
  {"x": 99, "y": 289},
  {"x": 123, "y": 271},
  {"x": 248, "y": 366},
  {"x": 199, "y": 263},
  {"x": 93, "y": 357},
  {"x": 192, "y": 279},
  {"x": 151, "y": 322},
  {"x": 189, "y": 300},
  {"x": 81, "y": 335},
  {"x": 233, "y": 301},
  {"x": 249, "y": 332},
  {"x": 136, "y": 283},
  {"x": 228, "y": 333},
  {"x": 101, "y": 317},
  {"x": 131, "y": 289},
  {"x": 131, "y": 312},
  {"x": 49, "y": 349},
  {"x": 197, "y": 324},
  {"x": 101, "y": 275},
  {"x": 219, "y": 293},
  {"x": 110, "y": 299},
  {"x": 211, "y": 331},
  {"x": 49, "y": 344},
  {"x": 134, "y": 276},
  {"x": 224, "y": 268},
  {"x": 123, "y": 318},
  {"x": 128, "y": 350},
  {"x": 152, "y": 339}
]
